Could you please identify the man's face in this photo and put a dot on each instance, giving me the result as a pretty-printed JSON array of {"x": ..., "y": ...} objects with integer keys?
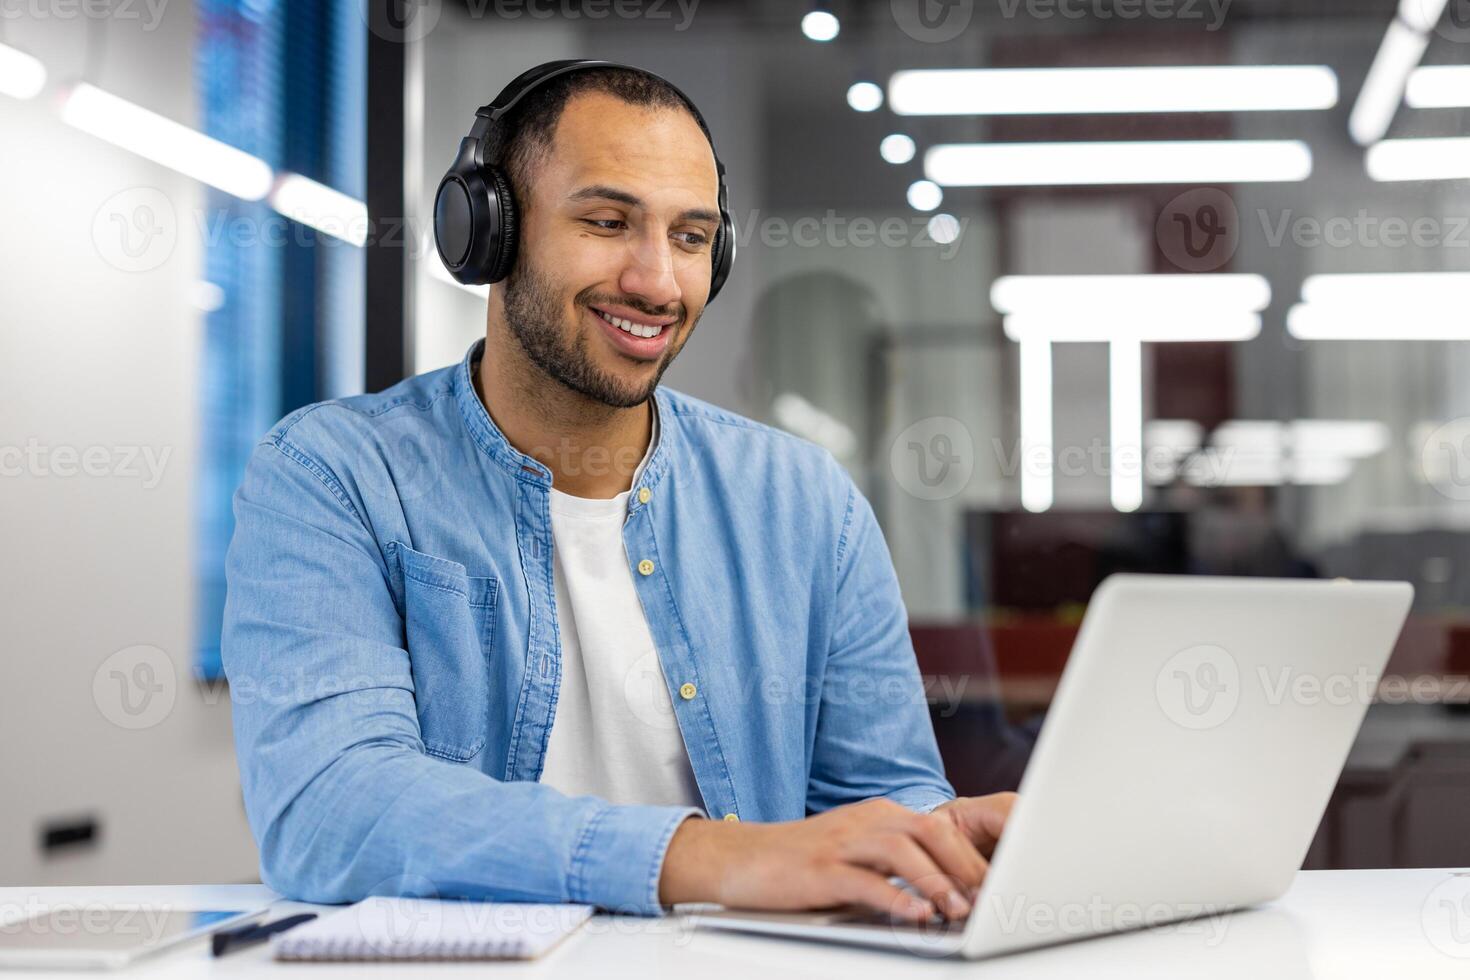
[{"x": 614, "y": 264}]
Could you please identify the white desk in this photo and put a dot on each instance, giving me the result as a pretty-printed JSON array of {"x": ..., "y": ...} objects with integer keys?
[{"x": 1369, "y": 924}]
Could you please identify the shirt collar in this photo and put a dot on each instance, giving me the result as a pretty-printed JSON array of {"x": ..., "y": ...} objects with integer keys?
[{"x": 492, "y": 442}]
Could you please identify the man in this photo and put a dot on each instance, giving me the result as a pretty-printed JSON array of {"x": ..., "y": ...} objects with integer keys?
[{"x": 532, "y": 628}]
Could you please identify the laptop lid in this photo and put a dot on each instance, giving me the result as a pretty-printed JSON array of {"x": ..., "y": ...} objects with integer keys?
[{"x": 1196, "y": 736}]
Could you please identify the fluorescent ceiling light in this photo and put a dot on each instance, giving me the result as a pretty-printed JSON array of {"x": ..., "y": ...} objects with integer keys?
[
  {"x": 1393, "y": 289},
  {"x": 925, "y": 195},
  {"x": 1178, "y": 435},
  {"x": 1055, "y": 164},
  {"x": 1442, "y": 158},
  {"x": 1438, "y": 87},
  {"x": 1382, "y": 306},
  {"x": 864, "y": 96},
  {"x": 1214, "y": 469},
  {"x": 164, "y": 141},
  {"x": 321, "y": 207},
  {"x": 897, "y": 148},
  {"x": 1318, "y": 470},
  {"x": 1349, "y": 438},
  {"x": 1399, "y": 52},
  {"x": 820, "y": 25},
  {"x": 1352, "y": 438},
  {"x": 1249, "y": 435},
  {"x": 1317, "y": 438},
  {"x": 1254, "y": 452},
  {"x": 944, "y": 229},
  {"x": 1132, "y": 295},
  {"x": 1206, "y": 468},
  {"x": 1016, "y": 91},
  {"x": 1037, "y": 492},
  {"x": 1422, "y": 15},
  {"x": 1315, "y": 321},
  {"x": 21, "y": 75},
  {"x": 1064, "y": 327},
  {"x": 1125, "y": 424}
]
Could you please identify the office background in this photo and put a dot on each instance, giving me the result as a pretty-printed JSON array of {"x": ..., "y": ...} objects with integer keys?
[{"x": 215, "y": 211}]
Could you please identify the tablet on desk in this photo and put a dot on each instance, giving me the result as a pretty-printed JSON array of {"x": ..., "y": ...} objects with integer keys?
[{"x": 107, "y": 937}]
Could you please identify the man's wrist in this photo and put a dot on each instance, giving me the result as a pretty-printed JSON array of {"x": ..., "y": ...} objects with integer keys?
[{"x": 692, "y": 863}]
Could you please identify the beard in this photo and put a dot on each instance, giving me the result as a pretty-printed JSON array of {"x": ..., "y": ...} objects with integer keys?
[{"x": 535, "y": 315}]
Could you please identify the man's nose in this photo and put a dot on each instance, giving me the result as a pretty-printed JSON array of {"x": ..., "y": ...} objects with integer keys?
[{"x": 649, "y": 271}]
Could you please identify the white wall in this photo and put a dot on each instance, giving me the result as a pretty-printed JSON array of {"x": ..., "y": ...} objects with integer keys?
[{"x": 93, "y": 355}]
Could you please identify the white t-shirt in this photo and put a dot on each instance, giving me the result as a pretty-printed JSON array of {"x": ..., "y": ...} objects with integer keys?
[{"x": 614, "y": 735}]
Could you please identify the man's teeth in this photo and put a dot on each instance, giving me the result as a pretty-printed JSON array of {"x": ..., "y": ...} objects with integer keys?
[{"x": 628, "y": 326}]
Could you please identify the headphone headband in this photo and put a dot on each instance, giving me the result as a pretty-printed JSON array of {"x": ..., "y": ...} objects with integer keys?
[
  {"x": 527, "y": 81},
  {"x": 475, "y": 218}
]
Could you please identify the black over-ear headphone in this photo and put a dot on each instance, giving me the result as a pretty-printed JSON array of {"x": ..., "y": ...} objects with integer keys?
[{"x": 475, "y": 222}]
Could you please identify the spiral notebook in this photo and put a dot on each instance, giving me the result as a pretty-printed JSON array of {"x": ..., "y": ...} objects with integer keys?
[{"x": 382, "y": 928}]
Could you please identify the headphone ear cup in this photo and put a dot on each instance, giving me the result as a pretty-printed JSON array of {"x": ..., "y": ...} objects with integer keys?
[
  {"x": 503, "y": 254},
  {"x": 722, "y": 256}
]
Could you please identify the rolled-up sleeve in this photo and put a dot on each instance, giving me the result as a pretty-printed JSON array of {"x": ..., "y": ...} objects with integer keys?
[{"x": 342, "y": 799}]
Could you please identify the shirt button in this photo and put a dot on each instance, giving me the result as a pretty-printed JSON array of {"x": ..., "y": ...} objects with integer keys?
[
  {"x": 644, "y": 495},
  {"x": 687, "y": 691},
  {"x": 732, "y": 818},
  {"x": 645, "y": 567}
]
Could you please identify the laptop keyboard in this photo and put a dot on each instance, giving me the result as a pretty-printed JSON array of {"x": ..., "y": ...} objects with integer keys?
[{"x": 937, "y": 928}]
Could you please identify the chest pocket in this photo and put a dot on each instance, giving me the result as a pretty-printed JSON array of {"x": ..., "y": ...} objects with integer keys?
[{"x": 449, "y": 624}]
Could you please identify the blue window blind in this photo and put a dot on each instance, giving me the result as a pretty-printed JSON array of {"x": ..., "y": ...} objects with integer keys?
[{"x": 283, "y": 80}]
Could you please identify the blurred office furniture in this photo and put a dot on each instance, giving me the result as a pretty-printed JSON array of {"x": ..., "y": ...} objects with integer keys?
[
  {"x": 1403, "y": 796},
  {"x": 985, "y": 748}
]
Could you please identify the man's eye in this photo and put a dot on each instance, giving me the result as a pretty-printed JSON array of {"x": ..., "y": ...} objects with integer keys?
[
  {"x": 693, "y": 239},
  {"x": 607, "y": 224}
]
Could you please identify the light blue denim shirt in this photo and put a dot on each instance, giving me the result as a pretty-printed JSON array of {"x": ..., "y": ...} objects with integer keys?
[{"x": 391, "y": 643}]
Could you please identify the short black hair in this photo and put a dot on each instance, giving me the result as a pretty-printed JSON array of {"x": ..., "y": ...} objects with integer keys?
[{"x": 520, "y": 143}]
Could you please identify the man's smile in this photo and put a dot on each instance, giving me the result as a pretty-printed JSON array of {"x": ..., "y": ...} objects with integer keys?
[{"x": 635, "y": 334}]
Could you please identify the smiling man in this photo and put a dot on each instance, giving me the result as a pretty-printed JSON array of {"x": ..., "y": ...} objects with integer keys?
[{"x": 535, "y": 628}]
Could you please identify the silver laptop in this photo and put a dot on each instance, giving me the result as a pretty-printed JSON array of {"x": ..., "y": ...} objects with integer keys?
[{"x": 1196, "y": 735}]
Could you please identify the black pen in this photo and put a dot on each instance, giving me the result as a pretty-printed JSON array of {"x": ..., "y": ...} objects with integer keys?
[{"x": 229, "y": 940}]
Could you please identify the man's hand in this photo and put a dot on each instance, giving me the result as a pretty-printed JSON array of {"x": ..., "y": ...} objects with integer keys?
[
  {"x": 841, "y": 857},
  {"x": 980, "y": 818}
]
